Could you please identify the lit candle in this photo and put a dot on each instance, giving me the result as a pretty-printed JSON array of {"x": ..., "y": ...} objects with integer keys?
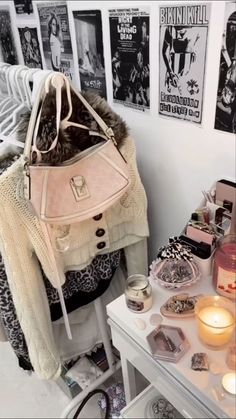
[
  {"x": 229, "y": 382},
  {"x": 215, "y": 325}
]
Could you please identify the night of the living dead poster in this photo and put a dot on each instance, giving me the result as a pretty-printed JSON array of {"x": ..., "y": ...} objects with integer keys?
[
  {"x": 225, "y": 117},
  {"x": 129, "y": 35},
  {"x": 182, "y": 51}
]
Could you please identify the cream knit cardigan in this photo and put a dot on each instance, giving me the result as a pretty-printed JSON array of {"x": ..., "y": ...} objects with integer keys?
[{"x": 21, "y": 239}]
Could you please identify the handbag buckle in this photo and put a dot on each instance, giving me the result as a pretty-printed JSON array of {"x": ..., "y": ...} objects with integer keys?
[
  {"x": 26, "y": 180},
  {"x": 79, "y": 187},
  {"x": 110, "y": 135}
]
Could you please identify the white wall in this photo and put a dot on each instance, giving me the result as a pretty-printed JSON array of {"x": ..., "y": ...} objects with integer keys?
[{"x": 176, "y": 159}]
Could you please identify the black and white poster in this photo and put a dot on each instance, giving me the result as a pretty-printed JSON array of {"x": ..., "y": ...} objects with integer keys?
[
  {"x": 30, "y": 47},
  {"x": 56, "y": 40},
  {"x": 23, "y": 7},
  {"x": 225, "y": 117},
  {"x": 129, "y": 35},
  {"x": 89, "y": 40},
  {"x": 183, "y": 46},
  {"x": 7, "y": 44}
]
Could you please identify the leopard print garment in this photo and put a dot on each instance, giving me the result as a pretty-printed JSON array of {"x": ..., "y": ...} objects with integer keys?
[
  {"x": 10, "y": 321},
  {"x": 83, "y": 286}
]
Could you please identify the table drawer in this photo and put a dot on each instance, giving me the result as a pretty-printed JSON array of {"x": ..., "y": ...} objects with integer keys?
[
  {"x": 165, "y": 384},
  {"x": 139, "y": 407}
]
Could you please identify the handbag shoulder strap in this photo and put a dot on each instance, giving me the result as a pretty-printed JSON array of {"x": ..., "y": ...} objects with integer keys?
[
  {"x": 58, "y": 86},
  {"x": 57, "y": 80},
  {"x": 107, "y": 130},
  {"x": 33, "y": 119}
]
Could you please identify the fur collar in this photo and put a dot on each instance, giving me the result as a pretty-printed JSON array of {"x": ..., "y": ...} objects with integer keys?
[{"x": 73, "y": 140}]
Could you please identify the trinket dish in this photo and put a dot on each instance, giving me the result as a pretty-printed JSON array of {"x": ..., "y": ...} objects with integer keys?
[
  {"x": 160, "y": 408},
  {"x": 168, "y": 343},
  {"x": 174, "y": 273},
  {"x": 180, "y": 305}
]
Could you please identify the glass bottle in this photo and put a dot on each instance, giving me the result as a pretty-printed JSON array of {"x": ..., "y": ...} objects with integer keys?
[{"x": 224, "y": 267}]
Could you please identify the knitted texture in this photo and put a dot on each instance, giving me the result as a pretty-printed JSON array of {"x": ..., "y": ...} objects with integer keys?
[
  {"x": 126, "y": 221},
  {"x": 21, "y": 237},
  {"x": 28, "y": 293}
]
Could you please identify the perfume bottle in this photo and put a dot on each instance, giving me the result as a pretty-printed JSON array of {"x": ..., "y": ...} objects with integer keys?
[{"x": 224, "y": 267}]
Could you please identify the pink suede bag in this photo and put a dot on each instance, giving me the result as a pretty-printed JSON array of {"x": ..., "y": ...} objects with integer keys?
[{"x": 79, "y": 188}]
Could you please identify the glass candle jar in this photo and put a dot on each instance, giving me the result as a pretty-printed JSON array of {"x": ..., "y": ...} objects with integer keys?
[
  {"x": 224, "y": 267},
  {"x": 138, "y": 293},
  {"x": 215, "y": 320}
]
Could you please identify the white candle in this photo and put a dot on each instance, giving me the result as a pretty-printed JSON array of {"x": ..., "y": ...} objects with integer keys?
[
  {"x": 229, "y": 382},
  {"x": 215, "y": 325}
]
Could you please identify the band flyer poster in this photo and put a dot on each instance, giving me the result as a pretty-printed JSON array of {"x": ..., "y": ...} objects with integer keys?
[
  {"x": 23, "y": 7},
  {"x": 183, "y": 47},
  {"x": 56, "y": 40},
  {"x": 225, "y": 117},
  {"x": 88, "y": 31},
  {"x": 129, "y": 36},
  {"x": 30, "y": 47},
  {"x": 7, "y": 44}
]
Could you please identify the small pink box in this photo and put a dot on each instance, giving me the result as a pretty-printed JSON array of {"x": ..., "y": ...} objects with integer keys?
[{"x": 199, "y": 235}]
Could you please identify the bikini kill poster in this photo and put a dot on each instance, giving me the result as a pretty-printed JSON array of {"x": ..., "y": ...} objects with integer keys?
[
  {"x": 129, "y": 32},
  {"x": 183, "y": 45}
]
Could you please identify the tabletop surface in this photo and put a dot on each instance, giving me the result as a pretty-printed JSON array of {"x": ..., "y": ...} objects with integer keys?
[{"x": 199, "y": 383}]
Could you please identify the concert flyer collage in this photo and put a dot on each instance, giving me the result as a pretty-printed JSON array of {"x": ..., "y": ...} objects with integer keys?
[{"x": 72, "y": 42}]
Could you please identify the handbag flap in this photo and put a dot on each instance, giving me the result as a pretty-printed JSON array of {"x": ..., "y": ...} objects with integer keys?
[{"x": 81, "y": 190}]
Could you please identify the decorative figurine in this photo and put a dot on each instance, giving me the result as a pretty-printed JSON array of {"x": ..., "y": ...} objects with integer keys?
[{"x": 200, "y": 362}]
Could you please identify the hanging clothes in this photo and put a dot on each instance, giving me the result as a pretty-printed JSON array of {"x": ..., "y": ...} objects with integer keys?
[
  {"x": 124, "y": 225},
  {"x": 80, "y": 288}
]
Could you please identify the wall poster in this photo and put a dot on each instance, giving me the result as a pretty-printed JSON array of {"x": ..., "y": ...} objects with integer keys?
[
  {"x": 23, "y": 7},
  {"x": 7, "y": 44},
  {"x": 129, "y": 34},
  {"x": 183, "y": 45},
  {"x": 55, "y": 33},
  {"x": 30, "y": 47},
  {"x": 88, "y": 30},
  {"x": 225, "y": 118}
]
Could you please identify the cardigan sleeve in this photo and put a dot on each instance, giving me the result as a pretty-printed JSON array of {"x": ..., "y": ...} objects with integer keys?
[
  {"x": 28, "y": 292},
  {"x": 136, "y": 258}
]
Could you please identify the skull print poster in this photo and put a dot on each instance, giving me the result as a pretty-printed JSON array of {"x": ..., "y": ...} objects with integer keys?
[
  {"x": 129, "y": 34},
  {"x": 225, "y": 117},
  {"x": 183, "y": 45}
]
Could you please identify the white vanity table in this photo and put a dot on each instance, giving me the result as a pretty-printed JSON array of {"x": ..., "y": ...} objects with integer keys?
[{"x": 190, "y": 392}]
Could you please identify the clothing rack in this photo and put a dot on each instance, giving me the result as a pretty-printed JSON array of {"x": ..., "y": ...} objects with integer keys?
[
  {"x": 34, "y": 77},
  {"x": 113, "y": 366}
]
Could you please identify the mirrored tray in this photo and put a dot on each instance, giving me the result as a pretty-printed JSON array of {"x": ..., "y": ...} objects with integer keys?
[{"x": 174, "y": 273}]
